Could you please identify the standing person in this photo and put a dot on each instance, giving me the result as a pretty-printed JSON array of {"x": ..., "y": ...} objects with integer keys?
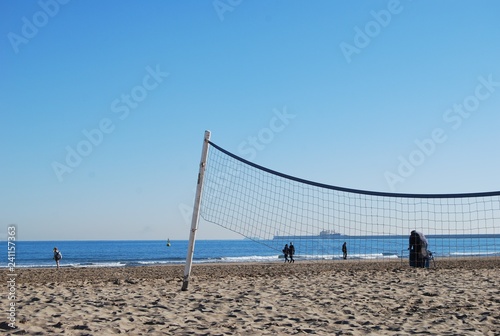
[
  {"x": 344, "y": 250},
  {"x": 286, "y": 250},
  {"x": 291, "y": 252},
  {"x": 418, "y": 249},
  {"x": 57, "y": 256},
  {"x": 414, "y": 247}
]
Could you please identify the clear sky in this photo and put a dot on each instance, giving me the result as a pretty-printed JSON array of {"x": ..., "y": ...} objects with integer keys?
[{"x": 103, "y": 104}]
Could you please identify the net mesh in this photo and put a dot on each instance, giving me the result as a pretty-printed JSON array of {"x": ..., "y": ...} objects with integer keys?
[{"x": 274, "y": 209}]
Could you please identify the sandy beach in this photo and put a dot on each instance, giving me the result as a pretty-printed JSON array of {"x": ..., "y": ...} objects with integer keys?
[{"x": 457, "y": 297}]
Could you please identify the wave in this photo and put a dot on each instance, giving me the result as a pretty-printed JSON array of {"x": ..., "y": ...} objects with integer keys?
[
  {"x": 101, "y": 264},
  {"x": 474, "y": 254},
  {"x": 73, "y": 265},
  {"x": 158, "y": 262},
  {"x": 309, "y": 257},
  {"x": 239, "y": 259}
]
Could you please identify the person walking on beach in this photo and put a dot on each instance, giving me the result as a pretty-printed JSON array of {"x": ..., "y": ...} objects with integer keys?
[
  {"x": 286, "y": 250},
  {"x": 344, "y": 250},
  {"x": 57, "y": 256},
  {"x": 291, "y": 252}
]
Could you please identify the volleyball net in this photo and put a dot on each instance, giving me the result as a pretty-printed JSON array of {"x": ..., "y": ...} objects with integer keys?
[{"x": 273, "y": 209}]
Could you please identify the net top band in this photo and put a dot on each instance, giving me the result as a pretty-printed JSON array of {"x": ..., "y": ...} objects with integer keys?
[{"x": 356, "y": 191}]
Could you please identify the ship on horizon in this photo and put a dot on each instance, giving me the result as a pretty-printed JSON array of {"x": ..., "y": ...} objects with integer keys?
[{"x": 325, "y": 234}]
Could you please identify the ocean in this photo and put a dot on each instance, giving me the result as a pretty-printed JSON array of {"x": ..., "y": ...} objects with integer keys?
[{"x": 156, "y": 252}]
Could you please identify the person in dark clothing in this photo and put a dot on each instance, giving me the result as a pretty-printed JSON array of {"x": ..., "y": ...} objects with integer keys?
[
  {"x": 286, "y": 250},
  {"x": 291, "y": 252},
  {"x": 418, "y": 249},
  {"x": 414, "y": 248},
  {"x": 344, "y": 250},
  {"x": 57, "y": 256}
]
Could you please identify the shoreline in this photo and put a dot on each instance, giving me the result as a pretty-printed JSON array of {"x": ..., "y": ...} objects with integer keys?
[{"x": 68, "y": 273}]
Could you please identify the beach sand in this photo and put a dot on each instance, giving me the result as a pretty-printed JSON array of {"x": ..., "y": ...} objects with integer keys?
[{"x": 457, "y": 297}]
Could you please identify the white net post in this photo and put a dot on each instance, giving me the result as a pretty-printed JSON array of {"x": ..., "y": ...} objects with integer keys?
[{"x": 196, "y": 211}]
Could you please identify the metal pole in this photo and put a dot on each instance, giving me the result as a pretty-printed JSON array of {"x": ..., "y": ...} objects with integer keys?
[{"x": 196, "y": 212}]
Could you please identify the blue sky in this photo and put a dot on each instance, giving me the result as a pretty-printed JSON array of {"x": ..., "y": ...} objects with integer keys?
[{"x": 379, "y": 95}]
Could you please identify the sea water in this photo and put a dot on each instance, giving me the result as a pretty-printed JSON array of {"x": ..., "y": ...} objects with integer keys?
[{"x": 156, "y": 252}]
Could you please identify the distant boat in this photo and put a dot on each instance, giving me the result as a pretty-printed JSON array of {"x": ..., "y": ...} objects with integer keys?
[
  {"x": 168, "y": 242},
  {"x": 325, "y": 234}
]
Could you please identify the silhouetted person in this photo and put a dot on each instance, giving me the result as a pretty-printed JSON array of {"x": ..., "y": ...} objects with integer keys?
[
  {"x": 57, "y": 256},
  {"x": 286, "y": 250},
  {"x": 291, "y": 252},
  {"x": 418, "y": 249},
  {"x": 344, "y": 250}
]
